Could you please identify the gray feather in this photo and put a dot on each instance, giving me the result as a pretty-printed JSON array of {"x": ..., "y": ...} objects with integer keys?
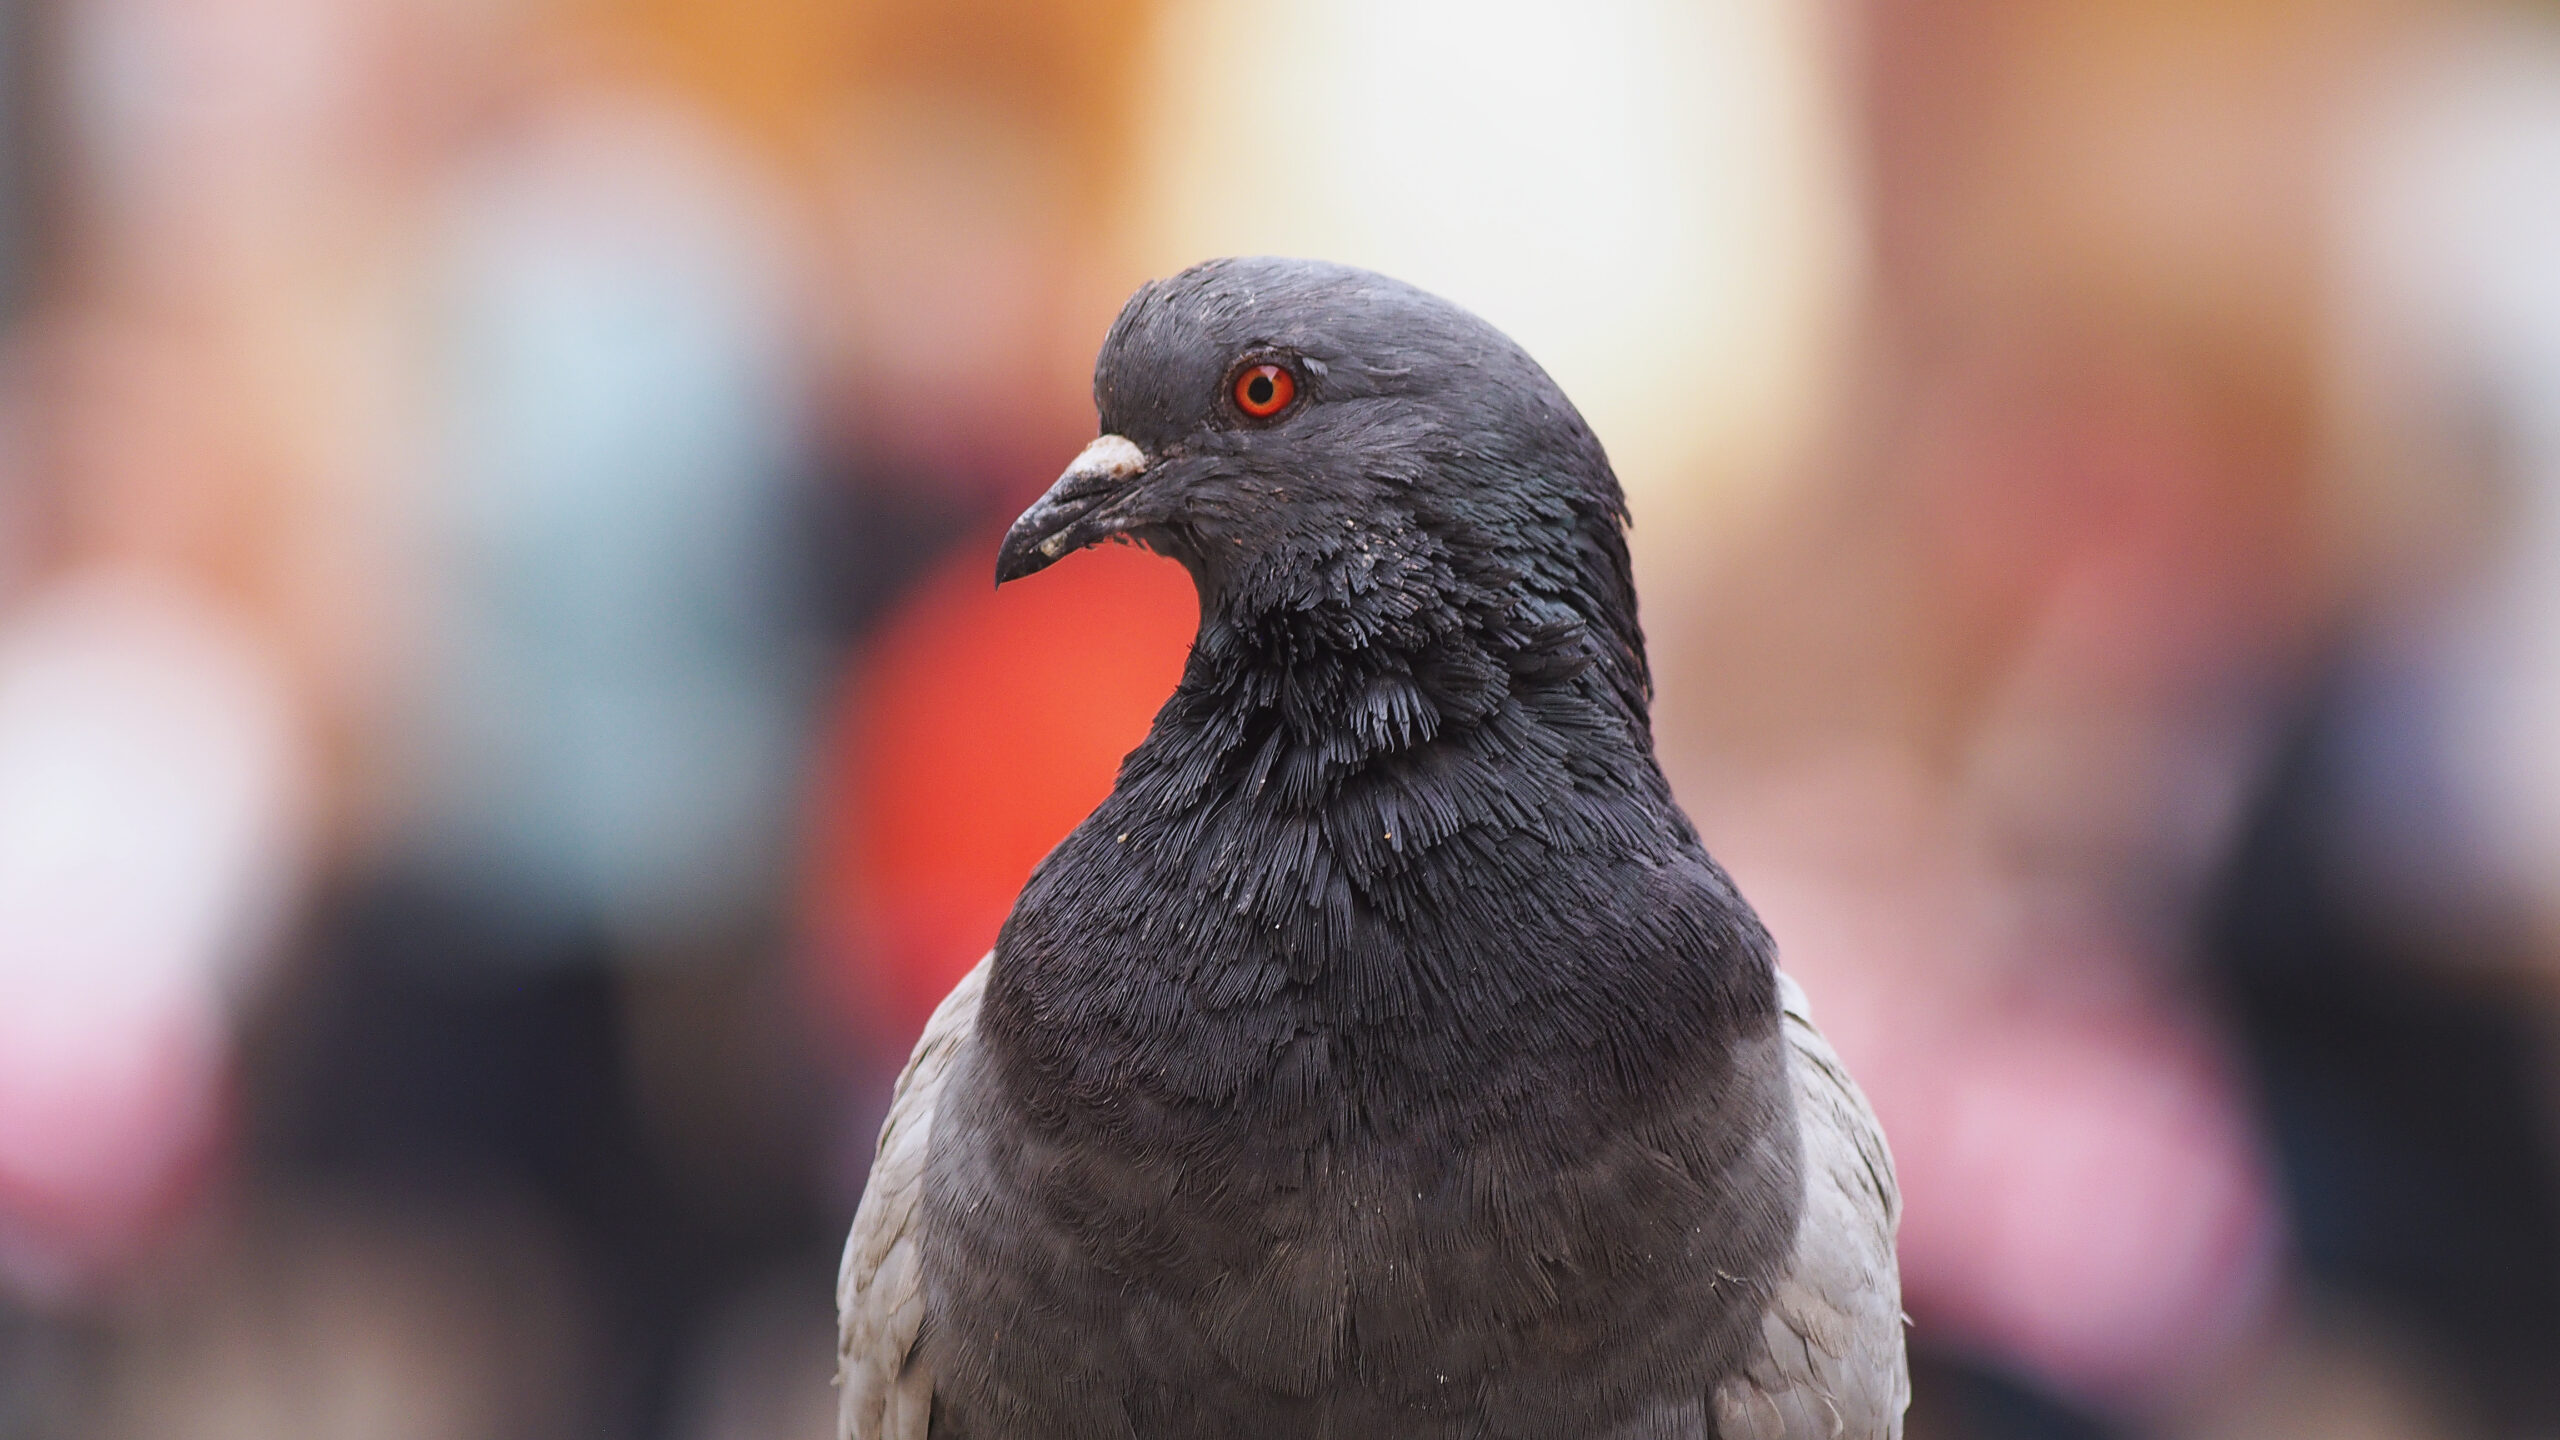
[
  {"x": 880, "y": 1307},
  {"x": 1832, "y": 1365}
]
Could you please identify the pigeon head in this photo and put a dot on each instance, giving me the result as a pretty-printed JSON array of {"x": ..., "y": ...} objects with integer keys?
[{"x": 1342, "y": 449}]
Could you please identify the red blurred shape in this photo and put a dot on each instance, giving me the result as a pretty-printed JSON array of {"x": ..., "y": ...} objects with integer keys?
[{"x": 974, "y": 734}]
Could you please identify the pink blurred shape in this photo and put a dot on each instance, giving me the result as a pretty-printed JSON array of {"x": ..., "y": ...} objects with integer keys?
[
  {"x": 2085, "y": 1199},
  {"x": 151, "y": 825}
]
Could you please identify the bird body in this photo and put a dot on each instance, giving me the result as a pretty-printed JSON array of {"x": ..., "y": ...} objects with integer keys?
[{"x": 1385, "y": 1056}]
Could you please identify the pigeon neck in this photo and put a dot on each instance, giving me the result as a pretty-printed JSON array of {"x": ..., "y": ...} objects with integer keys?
[
  {"x": 1351, "y": 841},
  {"x": 1377, "y": 752},
  {"x": 1311, "y": 699}
]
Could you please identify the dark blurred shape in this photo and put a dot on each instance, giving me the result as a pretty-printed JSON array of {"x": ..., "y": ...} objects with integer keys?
[
  {"x": 2386, "y": 929},
  {"x": 1951, "y": 1399},
  {"x": 762, "y": 1371},
  {"x": 442, "y": 1048},
  {"x": 46, "y": 1372},
  {"x": 2409, "y": 1105},
  {"x": 426, "y": 1316},
  {"x": 21, "y": 122}
]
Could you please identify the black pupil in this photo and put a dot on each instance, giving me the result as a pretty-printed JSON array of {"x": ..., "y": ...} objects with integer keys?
[{"x": 1258, "y": 390}]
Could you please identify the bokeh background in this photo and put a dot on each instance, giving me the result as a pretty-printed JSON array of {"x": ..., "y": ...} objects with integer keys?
[{"x": 505, "y": 731}]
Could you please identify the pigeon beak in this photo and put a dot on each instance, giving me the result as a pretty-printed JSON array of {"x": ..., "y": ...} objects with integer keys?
[{"x": 1071, "y": 516}]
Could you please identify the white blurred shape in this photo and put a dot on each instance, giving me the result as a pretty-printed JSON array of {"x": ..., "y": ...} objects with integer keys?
[
  {"x": 2449, "y": 346},
  {"x": 151, "y": 824},
  {"x": 1652, "y": 197}
]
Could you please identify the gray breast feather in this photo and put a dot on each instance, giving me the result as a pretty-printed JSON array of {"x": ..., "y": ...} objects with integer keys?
[
  {"x": 1832, "y": 1367},
  {"x": 884, "y": 1391}
]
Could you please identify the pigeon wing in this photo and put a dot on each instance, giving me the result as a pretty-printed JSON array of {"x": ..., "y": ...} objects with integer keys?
[
  {"x": 885, "y": 1393},
  {"x": 1831, "y": 1365}
]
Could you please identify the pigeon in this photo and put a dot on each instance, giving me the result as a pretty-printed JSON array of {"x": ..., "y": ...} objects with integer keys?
[{"x": 1385, "y": 1056}]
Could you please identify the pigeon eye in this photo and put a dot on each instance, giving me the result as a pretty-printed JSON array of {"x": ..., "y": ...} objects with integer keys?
[{"x": 1263, "y": 391}]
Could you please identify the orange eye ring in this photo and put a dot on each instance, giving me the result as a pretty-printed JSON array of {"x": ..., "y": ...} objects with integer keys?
[{"x": 1263, "y": 391}]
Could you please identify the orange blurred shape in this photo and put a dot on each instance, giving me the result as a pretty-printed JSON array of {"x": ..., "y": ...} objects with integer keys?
[{"x": 978, "y": 729}]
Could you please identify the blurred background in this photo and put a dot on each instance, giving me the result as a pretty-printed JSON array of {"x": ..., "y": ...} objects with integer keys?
[{"x": 505, "y": 732}]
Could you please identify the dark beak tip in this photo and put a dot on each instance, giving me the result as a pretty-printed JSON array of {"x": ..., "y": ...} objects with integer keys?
[{"x": 1020, "y": 555}]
